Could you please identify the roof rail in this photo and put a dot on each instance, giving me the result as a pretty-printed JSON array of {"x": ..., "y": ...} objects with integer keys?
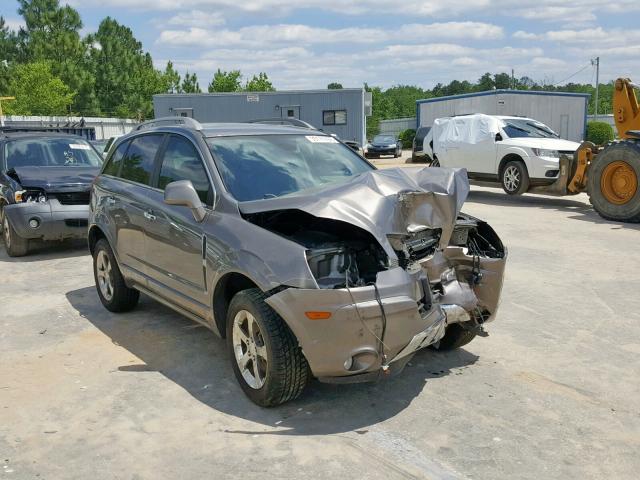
[
  {"x": 293, "y": 122},
  {"x": 171, "y": 121}
]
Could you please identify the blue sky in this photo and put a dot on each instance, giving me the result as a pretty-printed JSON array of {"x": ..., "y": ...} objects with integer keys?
[{"x": 309, "y": 43}]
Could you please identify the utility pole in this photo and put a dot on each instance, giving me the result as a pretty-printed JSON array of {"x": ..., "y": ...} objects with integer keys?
[
  {"x": 2, "y": 99},
  {"x": 513, "y": 80},
  {"x": 596, "y": 62}
]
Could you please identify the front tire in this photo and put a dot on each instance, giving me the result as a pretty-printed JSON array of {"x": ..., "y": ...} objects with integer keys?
[
  {"x": 265, "y": 355},
  {"x": 112, "y": 290},
  {"x": 515, "y": 178},
  {"x": 613, "y": 182},
  {"x": 15, "y": 245},
  {"x": 455, "y": 336}
]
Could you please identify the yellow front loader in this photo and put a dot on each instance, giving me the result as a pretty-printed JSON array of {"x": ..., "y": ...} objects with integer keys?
[{"x": 610, "y": 175}]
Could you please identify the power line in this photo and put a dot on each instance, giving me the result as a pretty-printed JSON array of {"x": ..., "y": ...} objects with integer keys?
[{"x": 572, "y": 75}]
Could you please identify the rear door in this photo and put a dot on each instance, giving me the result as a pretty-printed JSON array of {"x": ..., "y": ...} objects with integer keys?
[
  {"x": 174, "y": 239},
  {"x": 129, "y": 210}
]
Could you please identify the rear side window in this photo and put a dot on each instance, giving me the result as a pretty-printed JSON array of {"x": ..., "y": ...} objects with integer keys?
[
  {"x": 422, "y": 132},
  {"x": 138, "y": 163},
  {"x": 114, "y": 162},
  {"x": 181, "y": 161}
]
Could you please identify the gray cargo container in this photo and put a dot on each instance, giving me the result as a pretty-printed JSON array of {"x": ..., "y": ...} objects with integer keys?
[
  {"x": 342, "y": 112},
  {"x": 565, "y": 113}
]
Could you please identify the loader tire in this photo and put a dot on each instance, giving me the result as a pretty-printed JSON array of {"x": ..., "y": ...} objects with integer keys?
[{"x": 614, "y": 182}]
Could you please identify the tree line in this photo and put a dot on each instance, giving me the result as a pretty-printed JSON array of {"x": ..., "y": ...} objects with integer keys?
[
  {"x": 400, "y": 101},
  {"x": 51, "y": 69}
]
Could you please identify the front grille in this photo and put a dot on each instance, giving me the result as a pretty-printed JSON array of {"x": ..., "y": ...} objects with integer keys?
[
  {"x": 76, "y": 222},
  {"x": 74, "y": 198}
]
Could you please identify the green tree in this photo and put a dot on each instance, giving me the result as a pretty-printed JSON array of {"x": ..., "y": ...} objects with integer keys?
[
  {"x": 190, "y": 84},
  {"x": 486, "y": 82},
  {"x": 172, "y": 79},
  {"x": 334, "y": 86},
  {"x": 125, "y": 77},
  {"x": 502, "y": 80},
  {"x": 226, "y": 81},
  {"x": 259, "y": 83},
  {"x": 38, "y": 91},
  {"x": 8, "y": 53},
  {"x": 52, "y": 33}
]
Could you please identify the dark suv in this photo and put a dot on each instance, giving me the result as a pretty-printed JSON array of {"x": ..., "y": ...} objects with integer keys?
[
  {"x": 293, "y": 247},
  {"x": 418, "y": 153},
  {"x": 45, "y": 181}
]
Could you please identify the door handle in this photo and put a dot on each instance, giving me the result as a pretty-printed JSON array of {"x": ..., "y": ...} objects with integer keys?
[{"x": 149, "y": 215}]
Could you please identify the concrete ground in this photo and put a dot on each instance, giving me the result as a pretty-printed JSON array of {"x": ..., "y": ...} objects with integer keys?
[{"x": 552, "y": 393}]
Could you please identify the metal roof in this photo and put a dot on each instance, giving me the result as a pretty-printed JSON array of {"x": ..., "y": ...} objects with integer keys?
[{"x": 503, "y": 91}]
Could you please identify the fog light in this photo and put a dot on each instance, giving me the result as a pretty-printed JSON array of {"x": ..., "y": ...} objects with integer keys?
[
  {"x": 348, "y": 363},
  {"x": 34, "y": 223}
]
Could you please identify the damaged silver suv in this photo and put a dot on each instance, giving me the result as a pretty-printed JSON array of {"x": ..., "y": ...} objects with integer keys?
[{"x": 305, "y": 257}]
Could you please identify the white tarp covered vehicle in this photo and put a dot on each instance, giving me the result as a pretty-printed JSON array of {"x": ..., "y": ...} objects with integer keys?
[{"x": 516, "y": 152}]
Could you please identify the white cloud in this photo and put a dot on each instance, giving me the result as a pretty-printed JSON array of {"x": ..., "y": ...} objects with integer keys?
[
  {"x": 14, "y": 23},
  {"x": 258, "y": 35},
  {"x": 197, "y": 18},
  {"x": 522, "y": 35}
]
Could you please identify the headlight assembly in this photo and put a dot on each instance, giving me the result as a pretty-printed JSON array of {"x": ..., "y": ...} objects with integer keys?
[
  {"x": 30, "y": 196},
  {"x": 543, "y": 152}
]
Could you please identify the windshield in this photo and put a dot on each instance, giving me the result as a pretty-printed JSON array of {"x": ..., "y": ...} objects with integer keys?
[
  {"x": 268, "y": 166},
  {"x": 384, "y": 139},
  {"x": 51, "y": 152},
  {"x": 527, "y": 128}
]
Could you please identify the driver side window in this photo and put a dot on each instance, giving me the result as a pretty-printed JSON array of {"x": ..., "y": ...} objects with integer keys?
[{"x": 181, "y": 161}]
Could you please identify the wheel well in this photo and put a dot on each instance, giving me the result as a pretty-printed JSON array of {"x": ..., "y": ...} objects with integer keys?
[
  {"x": 511, "y": 157},
  {"x": 95, "y": 234},
  {"x": 226, "y": 288}
]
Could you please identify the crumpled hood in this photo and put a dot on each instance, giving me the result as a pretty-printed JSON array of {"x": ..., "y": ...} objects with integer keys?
[
  {"x": 383, "y": 202},
  {"x": 57, "y": 179}
]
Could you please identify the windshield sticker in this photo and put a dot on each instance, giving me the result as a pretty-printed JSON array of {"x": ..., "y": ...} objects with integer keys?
[
  {"x": 320, "y": 139},
  {"x": 79, "y": 146}
]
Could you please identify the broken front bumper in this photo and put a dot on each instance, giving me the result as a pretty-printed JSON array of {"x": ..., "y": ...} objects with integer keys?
[
  {"x": 345, "y": 347},
  {"x": 54, "y": 220},
  {"x": 348, "y": 343}
]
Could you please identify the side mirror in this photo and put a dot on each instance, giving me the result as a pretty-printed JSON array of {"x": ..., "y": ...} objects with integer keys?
[
  {"x": 498, "y": 137},
  {"x": 184, "y": 194}
]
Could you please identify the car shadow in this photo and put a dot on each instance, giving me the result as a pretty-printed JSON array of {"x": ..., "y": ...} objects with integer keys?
[
  {"x": 580, "y": 210},
  {"x": 40, "y": 251},
  {"x": 194, "y": 358}
]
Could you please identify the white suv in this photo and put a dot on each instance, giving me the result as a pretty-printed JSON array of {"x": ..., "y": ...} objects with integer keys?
[{"x": 516, "y": 152}]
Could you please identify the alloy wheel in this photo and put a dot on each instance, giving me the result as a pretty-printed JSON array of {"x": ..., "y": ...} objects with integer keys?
[
  {"x": 511, "y": 178},
  {"x": 104, "y": 275},
  {"x": 249, "y": 349}
]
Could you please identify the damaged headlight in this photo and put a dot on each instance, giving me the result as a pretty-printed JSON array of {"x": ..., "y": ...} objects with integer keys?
[
  {"x": 30, "y": 196},
  {"x": 333, "y": 267}
]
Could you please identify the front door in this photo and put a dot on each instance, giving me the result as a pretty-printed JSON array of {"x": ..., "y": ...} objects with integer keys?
[{"x": 174, "y": 239}]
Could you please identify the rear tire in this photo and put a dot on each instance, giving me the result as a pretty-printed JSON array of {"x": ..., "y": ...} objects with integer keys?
[
  {"x": 455, "y": 337},
  {"x": 515, "y": 178},
  {"x": 435, "y": 162},
  {"x": 15, "y": 245},
  {"x": 112, "y": 289},
  {"x": 612, "y": 179},
  {"x": 273, "y": 369}
]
